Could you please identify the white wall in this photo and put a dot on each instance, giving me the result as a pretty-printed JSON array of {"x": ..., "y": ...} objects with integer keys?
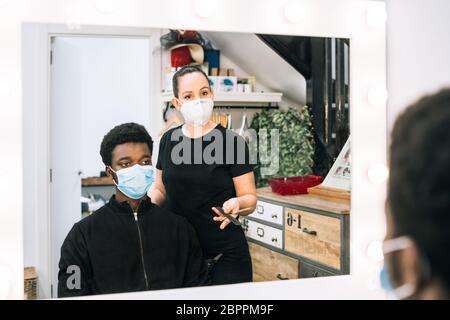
[
  {"x": 418, "y": 51},
  {"x": 115, "y": 90}
]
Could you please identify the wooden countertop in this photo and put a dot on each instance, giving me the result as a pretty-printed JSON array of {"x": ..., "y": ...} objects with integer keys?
[
  {"x": 306, "y": 200},
  {"x": 97, "y": 181}
]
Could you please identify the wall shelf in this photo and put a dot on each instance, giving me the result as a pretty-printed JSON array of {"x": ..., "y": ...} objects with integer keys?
[
  {"x": 251, "y": 98},
  {"x": 234, "y": 100}
]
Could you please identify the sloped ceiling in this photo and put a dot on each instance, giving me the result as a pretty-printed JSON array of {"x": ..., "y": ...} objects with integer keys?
[{"x": 252, "y": 55}]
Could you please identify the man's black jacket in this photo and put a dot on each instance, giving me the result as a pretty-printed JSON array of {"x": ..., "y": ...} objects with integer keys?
[{"x": 115, "y": 252}]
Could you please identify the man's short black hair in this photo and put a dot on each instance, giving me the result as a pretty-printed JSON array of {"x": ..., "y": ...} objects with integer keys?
[
  {"x": 124, "y": 133},
  {"x": 419, "y": 182},
  {"x": 183, "y": 71}
]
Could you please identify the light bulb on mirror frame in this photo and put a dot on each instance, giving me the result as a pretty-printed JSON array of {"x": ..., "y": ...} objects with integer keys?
[
  {"x": 378, "y": 173},
  {"x": 377, "y": 96}
]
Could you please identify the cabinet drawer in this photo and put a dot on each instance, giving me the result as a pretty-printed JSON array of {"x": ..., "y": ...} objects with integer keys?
[
  {"x": 269, "y": 265},
  {"x": 266, "y": 234},
  {"x": 266, "y": 211},
  {"x": 309, "y": 271},
  {"x": 313, "y": 236}
]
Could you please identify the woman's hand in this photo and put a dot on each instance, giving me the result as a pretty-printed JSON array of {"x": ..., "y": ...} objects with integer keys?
[
  {"x": 230, "y": 206},
  {"x": 157, "y": 193}
]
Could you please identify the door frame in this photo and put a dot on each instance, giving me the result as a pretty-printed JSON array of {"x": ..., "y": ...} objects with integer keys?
[{"x": 36, "y": 72}]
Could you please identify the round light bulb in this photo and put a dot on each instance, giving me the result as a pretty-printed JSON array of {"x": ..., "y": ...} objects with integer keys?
[
  {"x": 377, "y": 96},
  {"x": 378, "y": 173}
]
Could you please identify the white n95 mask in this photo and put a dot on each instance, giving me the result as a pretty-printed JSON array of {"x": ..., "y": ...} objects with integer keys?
[{"x": 197, "y": 112}]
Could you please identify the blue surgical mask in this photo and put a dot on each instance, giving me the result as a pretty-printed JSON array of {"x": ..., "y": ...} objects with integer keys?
[
  {"x": 135, "y": 181},
  {"x": 404, "y": 291}
]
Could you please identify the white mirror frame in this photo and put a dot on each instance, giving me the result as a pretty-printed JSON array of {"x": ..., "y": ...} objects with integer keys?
[{"x": 363, "y": 22}]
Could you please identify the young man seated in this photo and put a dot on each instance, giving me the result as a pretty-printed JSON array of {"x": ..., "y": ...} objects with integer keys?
[{"x": 129, "y": 244}]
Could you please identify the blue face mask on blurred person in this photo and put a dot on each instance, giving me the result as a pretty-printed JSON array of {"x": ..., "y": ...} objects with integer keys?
[
  {"x": 406, "y": 290},
  {"x": 135, "y": 181}
]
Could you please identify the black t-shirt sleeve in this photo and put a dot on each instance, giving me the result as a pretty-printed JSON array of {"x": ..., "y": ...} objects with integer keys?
[
  {"x": 162, "y": 152},
  {"x": 74, "y": 277},
  {"x": 242, "y": 163}
]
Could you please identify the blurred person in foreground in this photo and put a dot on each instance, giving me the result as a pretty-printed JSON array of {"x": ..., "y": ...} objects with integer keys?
[{"x": 417, "y": 244}]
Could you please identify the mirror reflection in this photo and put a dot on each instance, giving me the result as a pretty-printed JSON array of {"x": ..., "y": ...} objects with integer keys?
[{"x": 208, "y": 158}]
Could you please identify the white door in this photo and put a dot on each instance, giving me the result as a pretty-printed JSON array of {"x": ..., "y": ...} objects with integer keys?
[
  {"x": 65, "y": 106},
  {"x": 96, "y": 84}
]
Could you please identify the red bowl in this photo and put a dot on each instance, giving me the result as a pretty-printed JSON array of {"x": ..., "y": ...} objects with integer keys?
[{"x": 294, "y": 185}]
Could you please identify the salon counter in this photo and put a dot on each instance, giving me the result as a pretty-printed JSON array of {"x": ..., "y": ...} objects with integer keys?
[{"x": 298, "y": 236}]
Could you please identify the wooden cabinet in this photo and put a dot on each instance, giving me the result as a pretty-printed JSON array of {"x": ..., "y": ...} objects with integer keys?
[
  {"x": 301, "y": 236},
  {"x": 269, "y": 212},
  {"x": 313, "y": 236},
  {"x": 310, "y": 271},
  {"x": 270, "y": 265},
  {"x": 270, "y": 236}
]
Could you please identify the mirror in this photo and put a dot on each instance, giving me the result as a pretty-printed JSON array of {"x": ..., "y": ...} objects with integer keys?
[{"x": 286, "y": 96}]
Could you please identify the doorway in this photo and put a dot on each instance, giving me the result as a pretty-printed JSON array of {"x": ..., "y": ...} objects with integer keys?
[{"x": 96, "y": 83}]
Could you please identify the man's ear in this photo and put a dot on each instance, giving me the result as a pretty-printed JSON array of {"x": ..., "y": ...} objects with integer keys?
[
  {"x": 176, "y": 103},
  {"x": 110, "y": 173}
]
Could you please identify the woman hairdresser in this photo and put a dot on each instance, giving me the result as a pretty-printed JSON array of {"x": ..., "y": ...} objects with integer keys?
[{"x": 192, "y": 179}]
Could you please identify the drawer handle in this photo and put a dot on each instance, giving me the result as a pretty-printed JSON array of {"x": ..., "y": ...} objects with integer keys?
[
  {"x": 279, "y": 276},
  {"x": 310, "y": 232},
  {"x": 316, "y": 274},
  {"x": 260, "y": 232},
  {"x": 259, "y": 209},
  {"x": 245, "y": 224},
  {"x": 274, "y": 240},
  {"x": 274, "y": 216}
]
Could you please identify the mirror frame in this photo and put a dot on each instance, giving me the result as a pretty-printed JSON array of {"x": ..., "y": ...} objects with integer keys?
[{"x": 363, "y": 22}]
